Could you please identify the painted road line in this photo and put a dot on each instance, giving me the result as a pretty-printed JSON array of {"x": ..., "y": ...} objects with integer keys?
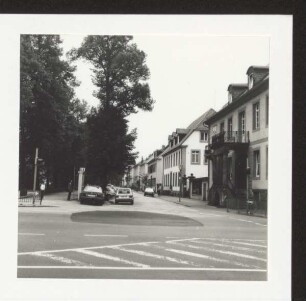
[
  {"x": 248, "y": 244},
  {"x": 113, "y": 258},
  {"x": 227, "y": 245},
  {"x": 225, "y": 260},
  {"x": 144, "y": 268},
  {"x": 148, "y": 254},
  {"x": 89, "y": 248},
  {"x": 207, "y": 257},
  {"x": 247, "y": 221},
  {"x": 233, "y": 253},
  {"x": 60, "y": 259},
  {"x": 38, "y": 234},
  {"x": 105, "y": 235}
]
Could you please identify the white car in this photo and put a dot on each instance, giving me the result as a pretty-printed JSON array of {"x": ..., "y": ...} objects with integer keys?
[
  {"x": 124, "y": 195},
  {"x": 149, "y": 191}
]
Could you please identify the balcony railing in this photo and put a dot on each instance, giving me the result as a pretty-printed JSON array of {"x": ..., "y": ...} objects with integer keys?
[{"x": 230, "y": 137}]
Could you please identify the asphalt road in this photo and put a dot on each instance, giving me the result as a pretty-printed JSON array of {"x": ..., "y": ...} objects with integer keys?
[{"x": 153, "y": 239}]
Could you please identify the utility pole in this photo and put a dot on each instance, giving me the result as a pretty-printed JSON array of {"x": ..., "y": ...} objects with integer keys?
[{"x": 35, "y": 174}]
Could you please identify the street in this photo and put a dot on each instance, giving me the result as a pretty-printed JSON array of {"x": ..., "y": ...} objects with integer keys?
[{"x": 153, "y": 239}]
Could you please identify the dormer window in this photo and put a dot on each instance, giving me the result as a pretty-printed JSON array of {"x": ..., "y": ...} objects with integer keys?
[
  {"x": 230, "y": 97},
  {"x": 251, "y": 81}
]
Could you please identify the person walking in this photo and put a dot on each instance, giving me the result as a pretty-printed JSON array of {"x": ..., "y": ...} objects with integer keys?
[
  {"x": 42, "y": 189},
  {"x": 70, "y": 188}
]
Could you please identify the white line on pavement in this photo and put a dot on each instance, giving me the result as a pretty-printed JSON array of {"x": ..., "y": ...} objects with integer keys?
[
  {"x": 88, "y": 248},
  {"x": 249, "y": 244},
  {"x": 247, "y": 221},
  {"x": 60, "y": 259},
  {"x": 148, "y": 254},
  {"x": 31, "y": 234},
  {"x": 206, "y": 257},
  {"x": 105, "y": 235},
  {"x": 144, "y": 268},
  {"x": 113, "y": 258}
]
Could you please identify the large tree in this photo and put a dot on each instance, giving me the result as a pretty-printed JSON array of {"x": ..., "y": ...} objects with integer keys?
[
  {"x": 49, "y": 114},
  {"x": 120, "y": 74}
]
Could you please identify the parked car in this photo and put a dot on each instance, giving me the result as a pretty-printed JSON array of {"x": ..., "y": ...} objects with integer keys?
[
  {"x": 92, "y": 194},
  {"x": 124, "y": 195},
  {"x": 149, "y": 191}
]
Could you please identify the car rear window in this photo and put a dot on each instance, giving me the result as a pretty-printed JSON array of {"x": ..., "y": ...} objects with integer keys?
[
  {"x": 93, "y": 189},
  {"x": 124, "y": 191}
]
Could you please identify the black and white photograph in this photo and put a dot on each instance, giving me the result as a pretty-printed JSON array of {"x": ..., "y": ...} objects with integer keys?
[{"x": 151, "y": 156}]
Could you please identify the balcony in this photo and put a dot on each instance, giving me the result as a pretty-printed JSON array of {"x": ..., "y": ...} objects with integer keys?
[{"x": 231, "y": 140}]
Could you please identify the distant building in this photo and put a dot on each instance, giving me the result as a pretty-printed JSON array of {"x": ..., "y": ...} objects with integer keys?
[
  {"x": 184, "y": 155},
  {"x": 238, "y": 143},
  {"x": 155, "y": 169}
]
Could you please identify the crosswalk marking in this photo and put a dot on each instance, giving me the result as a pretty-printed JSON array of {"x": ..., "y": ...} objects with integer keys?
[
  {"x": 142, "y": 253},
  {"x": 60, "y": 258},
  {"x": 118, "y": 259},
  {"x": 249, "y": 244},
  {"x": 232, "y": 253},
  {"x": 207, "y": 257}
]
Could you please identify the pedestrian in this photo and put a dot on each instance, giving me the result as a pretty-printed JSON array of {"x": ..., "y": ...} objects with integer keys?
[
  {"x": 42, "y": 189},
  {"x": 70, "y": 188}
]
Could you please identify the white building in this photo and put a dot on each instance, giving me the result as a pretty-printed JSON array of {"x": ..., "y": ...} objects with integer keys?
[
  {"x": 185, "y": 155},
  {"x": 155, "y": 170}
]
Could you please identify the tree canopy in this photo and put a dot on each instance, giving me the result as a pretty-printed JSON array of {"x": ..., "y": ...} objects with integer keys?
[{"x": 120, "y": 72}]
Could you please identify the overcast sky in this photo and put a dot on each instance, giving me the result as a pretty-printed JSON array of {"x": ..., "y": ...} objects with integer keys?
[{"x": 189, "y": 75}]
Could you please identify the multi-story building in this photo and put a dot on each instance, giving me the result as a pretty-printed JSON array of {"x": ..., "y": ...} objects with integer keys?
[
  {"x": 155, "y": 170},
  {"x": 184, "y": 155},
  {"x": 238, "y": 143}
]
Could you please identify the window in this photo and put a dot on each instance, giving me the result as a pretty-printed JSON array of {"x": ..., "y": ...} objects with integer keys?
[
  {"x": 242, "y": 122},
  {"x": 203, "y": 136},
  {"x": 230, "y": 127},
  {"x": 256, "y": 116},
  {"x": 221, "y": 127},
  {"x": 205, "y": 159},
  {"x": 195, "y": 157},
  {"x": 230, "y": 168},
  {"x": 251, "y": 81},
  {"x": 267, "y": 110},
  {"x": 257, "y": 164}
]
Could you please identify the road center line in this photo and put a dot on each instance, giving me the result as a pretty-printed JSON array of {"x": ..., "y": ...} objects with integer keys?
[
  {"x": 37, "y": 234},
  {"x": 105, "y": 235}
]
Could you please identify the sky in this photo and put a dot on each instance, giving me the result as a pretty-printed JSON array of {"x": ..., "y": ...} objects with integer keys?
[{"x": 189, "y": 74}]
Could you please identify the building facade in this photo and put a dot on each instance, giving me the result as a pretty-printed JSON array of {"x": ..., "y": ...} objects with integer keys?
[
  {"x": 238, "y": 143},
  {"x": 184, "y": 155},
  {"x": 155, "y": 170}
]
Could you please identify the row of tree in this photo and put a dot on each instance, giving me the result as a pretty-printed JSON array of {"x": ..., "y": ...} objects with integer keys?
[{"x": 67, "y": 134}]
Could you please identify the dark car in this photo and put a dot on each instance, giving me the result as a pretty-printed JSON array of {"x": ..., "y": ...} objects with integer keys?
[
  {"x": 124, "y": 195},
  {"x": 92, "y": 194}
]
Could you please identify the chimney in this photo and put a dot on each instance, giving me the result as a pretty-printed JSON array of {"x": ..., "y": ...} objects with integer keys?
[
  {"x": 235, "y": 90},
  {"x": 256, "y": 74}
]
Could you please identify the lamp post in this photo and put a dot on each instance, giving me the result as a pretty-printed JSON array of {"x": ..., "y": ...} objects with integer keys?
[{"x": 35, "y": 173}]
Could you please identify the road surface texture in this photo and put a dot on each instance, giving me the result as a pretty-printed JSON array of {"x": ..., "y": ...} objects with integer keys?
[{"x": 152, "y": 239}]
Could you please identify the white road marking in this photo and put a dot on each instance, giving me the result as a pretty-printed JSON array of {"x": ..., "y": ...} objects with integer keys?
[
  {"x": 247, "y": 221},
  {"x": 232, "y": 247},
  {"x": 118, "y": 259},
  {"x": 144, "y": 268},
  {"x": 31, "y": 234},
  {"x": 106, "y": 235},
  {"x": 249, "y": 244},
  {"x": 207, "y": 257},
  {"x": 232, "y": 253},
  {"x": 89, "y": 248},
  {"x": 148, "y": 254},
  {"x": 60, "y": 259}
]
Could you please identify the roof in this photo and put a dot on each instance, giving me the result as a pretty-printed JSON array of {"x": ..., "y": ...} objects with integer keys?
[
  {"x": 240, "y": 100},
  {"x": 199, "y": 121},
  {"x": 195, "y": 125}
]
